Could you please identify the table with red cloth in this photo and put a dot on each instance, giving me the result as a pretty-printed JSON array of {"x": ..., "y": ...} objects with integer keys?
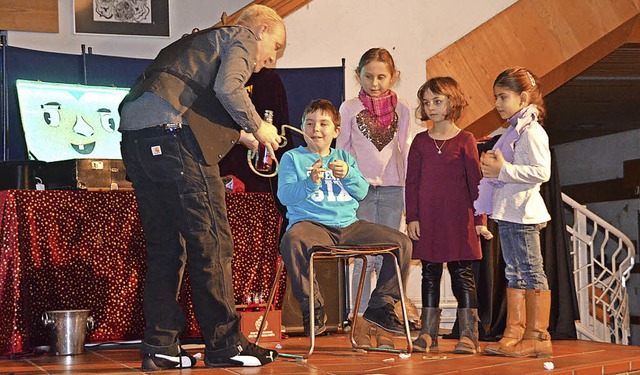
[{"x": 72, "y": 250}]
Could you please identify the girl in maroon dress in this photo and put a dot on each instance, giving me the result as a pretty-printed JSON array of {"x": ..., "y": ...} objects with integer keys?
[{"x": 442, "y": 184}]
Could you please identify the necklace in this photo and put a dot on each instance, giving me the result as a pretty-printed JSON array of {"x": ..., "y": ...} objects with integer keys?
[
  {"x": 443, "y": 142},
  {"x": 439, "y": 147}
]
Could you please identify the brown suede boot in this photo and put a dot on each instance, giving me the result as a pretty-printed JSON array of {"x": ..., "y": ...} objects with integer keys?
[
  {"x": 412, "y": 313},
  {"x": 384, "y": 339},
  {"x": 468, "y": 342},
  {"x": 362, "y": 333},
  {"x": 536, "y": 340},
  {"x": 516, "y": 317},
  {"x": 427, "y": 340}
]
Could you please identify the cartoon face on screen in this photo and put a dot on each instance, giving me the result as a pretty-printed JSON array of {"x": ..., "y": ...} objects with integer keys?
[{"x": 63, "y": 122}]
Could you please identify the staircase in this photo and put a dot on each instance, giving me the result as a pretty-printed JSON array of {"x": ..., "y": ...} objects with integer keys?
[
  {"x": 602, "y": 260},
  {"x": 556, "y": 39}
]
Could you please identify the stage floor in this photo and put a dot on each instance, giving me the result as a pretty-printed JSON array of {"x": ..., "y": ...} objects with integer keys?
[{"x": 333, "y": 355}]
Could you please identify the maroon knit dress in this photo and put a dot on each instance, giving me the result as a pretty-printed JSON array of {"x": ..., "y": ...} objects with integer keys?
[{"x": 440, "y": 191}]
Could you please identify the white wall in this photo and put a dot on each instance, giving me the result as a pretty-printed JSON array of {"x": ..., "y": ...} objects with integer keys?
[
  {"x": 184, "y": 15},
  {"x": 325, "y": 31},
  {"x": 319, "y": 34},
  {"x": 600, "y": 159}
]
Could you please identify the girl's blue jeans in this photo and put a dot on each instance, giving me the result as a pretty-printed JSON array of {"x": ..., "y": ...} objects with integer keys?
[
  {"x": 522, "y": 254},
  {"x": 382, "y": 205}
]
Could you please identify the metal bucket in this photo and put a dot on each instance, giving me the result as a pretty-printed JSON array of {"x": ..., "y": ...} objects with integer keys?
[{"x": 68, "y": 330}]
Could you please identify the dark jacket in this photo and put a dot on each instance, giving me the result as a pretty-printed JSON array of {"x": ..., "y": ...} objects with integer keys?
[{"x": 203, "y": 76}]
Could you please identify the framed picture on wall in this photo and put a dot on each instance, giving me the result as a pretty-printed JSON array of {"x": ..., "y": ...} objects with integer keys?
[{"x": 122, "y": 17}]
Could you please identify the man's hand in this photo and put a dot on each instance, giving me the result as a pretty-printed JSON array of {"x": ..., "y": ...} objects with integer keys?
[
  {"x": 339, "y": 168},
  {"x": 491, "y": 163},
  {"x": 413, "y": 230},
  {"x": 248, "y": 141},
  {"x": 267, "y": 134}
]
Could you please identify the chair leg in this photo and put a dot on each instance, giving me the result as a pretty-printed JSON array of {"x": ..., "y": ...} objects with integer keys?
[
  {"x": 403, "y": 304},
  {"x": 403, "y": 308},
  {"x": 272, "y": 294},
  {"x": 355, "y": 326},
  {"x": 312, "y": 305}
]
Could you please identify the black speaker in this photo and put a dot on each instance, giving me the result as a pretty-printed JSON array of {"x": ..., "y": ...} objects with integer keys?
[
  {"x": 330, "y": 276},
  {"x": 18, "y": 174}
]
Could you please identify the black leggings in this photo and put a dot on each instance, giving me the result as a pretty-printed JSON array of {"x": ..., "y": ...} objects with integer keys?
[{"x": 462, "y": 283}]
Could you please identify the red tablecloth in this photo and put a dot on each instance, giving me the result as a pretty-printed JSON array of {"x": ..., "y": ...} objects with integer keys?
[{"x": 66, "y": 250}]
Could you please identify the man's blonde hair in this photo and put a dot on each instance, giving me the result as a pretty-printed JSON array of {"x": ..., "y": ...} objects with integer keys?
[{"x": 256, "y": 15}]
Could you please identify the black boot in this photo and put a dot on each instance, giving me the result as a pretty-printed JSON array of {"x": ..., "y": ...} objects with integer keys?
[
  {"x": 427, "y": 340},
  {"x": 468, "y": 343}
]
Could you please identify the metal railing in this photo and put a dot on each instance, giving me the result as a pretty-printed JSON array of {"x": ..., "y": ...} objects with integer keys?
[{"x": 602, "y": 260}]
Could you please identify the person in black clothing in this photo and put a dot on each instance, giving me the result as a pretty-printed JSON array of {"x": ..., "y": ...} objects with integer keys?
[
  {"x": 267, "y": 92},
  {"x": 182, "y": 115}
]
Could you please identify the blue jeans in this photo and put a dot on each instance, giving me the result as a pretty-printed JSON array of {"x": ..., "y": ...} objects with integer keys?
[
  {"x": 522, "y": 254},
  {"x": 382, "y": 205},
  {"x": 182, "y": 208}
]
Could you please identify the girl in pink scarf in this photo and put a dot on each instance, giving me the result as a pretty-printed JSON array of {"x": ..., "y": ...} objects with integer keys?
[{"x": 376, "y": 132}]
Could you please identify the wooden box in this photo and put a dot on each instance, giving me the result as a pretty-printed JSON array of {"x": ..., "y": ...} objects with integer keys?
[
  {"x": 250, "y": 324},
  {"x": 80, "y": 174}
]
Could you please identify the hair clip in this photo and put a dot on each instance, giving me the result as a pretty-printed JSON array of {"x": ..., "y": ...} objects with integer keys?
[{"x": 533, "y": 81}]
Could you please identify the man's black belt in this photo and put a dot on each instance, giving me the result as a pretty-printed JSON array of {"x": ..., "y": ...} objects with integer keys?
[{"x": 171, "y": 127}]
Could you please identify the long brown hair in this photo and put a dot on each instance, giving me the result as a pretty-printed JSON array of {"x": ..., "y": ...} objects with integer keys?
[
  {"x": 378, "y": 54},
  {"x": 519, "y": 80}
]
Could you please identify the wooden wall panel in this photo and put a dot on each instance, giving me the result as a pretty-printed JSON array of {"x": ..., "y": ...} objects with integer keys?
[
  {"x": 556, "y": 39},
  {"x": 29, "y": 15}
]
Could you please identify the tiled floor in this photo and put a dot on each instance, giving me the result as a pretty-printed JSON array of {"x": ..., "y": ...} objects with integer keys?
[{"x": 333, "y": 355}]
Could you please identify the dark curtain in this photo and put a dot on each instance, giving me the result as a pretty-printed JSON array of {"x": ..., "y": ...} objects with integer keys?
[
  {"x": 557, "y": 262},
  {"x": 491, "y": 282}
]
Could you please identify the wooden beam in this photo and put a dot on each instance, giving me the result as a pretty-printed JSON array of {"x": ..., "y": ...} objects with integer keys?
[
  {"x": 600, "y": 191},
  {"x": 586, "y": 57},
  {"x": 634, "y": 35},
  {"x": 29, "y": 15},
  {"x": 555, "y": 39}
]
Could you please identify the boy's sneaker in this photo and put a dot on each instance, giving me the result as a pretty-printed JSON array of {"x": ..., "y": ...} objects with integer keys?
[
  {"x": 384, "y": 317},
  {"x": 320, "y": 324},
  {"x": 250, "y": 355},
  {"x": 155, "y": 362}
]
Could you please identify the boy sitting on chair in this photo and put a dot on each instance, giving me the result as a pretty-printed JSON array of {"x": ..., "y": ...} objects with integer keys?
[{"x": 321, "y": 187}]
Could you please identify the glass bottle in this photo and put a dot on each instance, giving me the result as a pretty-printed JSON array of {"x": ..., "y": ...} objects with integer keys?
[{"x": 264, "y": 161}]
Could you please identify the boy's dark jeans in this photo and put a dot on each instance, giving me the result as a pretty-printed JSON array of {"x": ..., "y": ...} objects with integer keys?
[{"x": 182, "y": 202}]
